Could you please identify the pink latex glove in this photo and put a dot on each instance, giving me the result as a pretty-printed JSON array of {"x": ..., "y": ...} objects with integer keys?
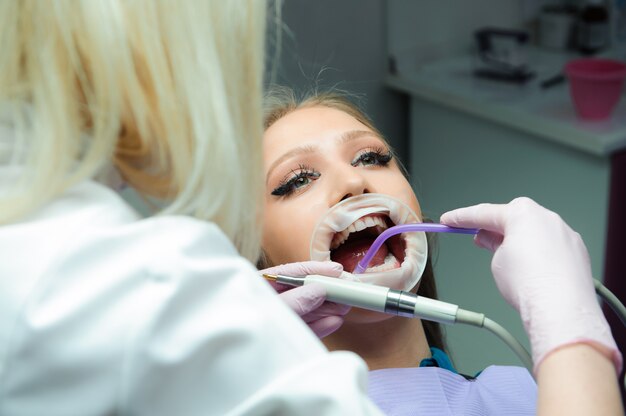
[
  {"x": 308, "y": 301},
  {"x": 542, "y": 268}
]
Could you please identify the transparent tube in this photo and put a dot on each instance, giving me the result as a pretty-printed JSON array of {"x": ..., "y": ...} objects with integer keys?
[{"x": 403, "y": 228}]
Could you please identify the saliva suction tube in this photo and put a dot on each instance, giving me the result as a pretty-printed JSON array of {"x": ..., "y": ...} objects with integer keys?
[{"x": 404, "y": 228}]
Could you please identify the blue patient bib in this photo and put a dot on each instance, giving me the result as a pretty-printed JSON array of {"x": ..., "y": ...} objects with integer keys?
[{"x": 439, "y": 390}]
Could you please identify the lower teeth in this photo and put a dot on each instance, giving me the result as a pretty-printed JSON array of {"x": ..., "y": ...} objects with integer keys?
[{"x": 390, "y": 263}]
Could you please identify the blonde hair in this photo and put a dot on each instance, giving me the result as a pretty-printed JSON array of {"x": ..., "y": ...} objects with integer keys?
[{"x": 170, "y": 92}]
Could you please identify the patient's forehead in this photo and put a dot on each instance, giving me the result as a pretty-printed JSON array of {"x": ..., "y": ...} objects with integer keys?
[{"x": 312, "y": 124}]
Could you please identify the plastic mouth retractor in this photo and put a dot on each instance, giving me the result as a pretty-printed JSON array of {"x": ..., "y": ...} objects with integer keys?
[{"x": 343, "y": 214}]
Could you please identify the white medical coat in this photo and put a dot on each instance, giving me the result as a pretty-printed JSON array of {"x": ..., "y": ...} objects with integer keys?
[{"x": 102, "y": 312}]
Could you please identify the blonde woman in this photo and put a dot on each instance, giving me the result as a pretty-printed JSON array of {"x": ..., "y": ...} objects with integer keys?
[
  {"x": 321, "y": 152},
  {"x": 102, "y": 312}
]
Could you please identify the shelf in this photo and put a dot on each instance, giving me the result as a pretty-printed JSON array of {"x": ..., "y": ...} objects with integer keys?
[{"x": 546, "y": 113}]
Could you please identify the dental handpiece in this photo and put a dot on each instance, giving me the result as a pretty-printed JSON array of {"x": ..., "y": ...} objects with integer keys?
[
  {"x": 375, "y": 298},
  {"x": 401, "y": 303},
  {"x": 403, "y": 228}
]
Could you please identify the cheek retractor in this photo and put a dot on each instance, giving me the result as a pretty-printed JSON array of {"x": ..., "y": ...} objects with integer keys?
[
  {"x": 405, "y": 228},
  {"x": 339, "y": 222}
]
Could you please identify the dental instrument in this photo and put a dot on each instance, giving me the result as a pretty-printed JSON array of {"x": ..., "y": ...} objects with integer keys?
[
  {"x": 614, "y": 303},
  {"x": 401, "y": 303},
  {"x": 403, "y": 228}
]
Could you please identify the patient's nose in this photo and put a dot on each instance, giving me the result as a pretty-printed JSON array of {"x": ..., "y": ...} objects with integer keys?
[{"x": 351, "y": 183}]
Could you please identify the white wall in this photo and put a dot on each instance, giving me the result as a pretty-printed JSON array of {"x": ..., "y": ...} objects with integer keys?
[{"x": 420, "y": 31}]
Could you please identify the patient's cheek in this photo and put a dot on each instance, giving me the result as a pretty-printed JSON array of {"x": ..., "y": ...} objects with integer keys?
[
  {"x": 287, "y": 232},
  {"x": 285, "y": 245}
]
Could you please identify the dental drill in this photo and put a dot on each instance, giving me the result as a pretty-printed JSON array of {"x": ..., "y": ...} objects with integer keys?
[
  {"x": 375, "y": 298},
  {"x": 401, "y": 303}
]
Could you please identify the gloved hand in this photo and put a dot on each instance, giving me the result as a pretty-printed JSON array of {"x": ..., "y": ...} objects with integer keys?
[
  {"x": 542, "y": 268},
  {"x": 308, "y": 301}
]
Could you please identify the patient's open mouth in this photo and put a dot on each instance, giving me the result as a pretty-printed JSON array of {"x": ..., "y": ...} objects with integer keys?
[
  {"x": 347, "y": 230},
  {"x": 350, "y": 245}
]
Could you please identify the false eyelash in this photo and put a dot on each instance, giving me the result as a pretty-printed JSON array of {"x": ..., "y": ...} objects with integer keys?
[
  {"x": 285, "y": 187},
  {"x": 382, "y": 156}
]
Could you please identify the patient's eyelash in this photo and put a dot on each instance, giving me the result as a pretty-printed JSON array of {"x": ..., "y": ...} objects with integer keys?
[
  {"x": 378, "y": 156},
  {"x": 295, "y": 180}
]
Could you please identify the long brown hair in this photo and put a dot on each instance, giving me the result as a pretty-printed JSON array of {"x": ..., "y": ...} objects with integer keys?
[{"x": 279, "y": 102}]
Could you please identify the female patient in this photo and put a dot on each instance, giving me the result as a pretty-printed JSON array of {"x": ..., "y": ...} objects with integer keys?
[
  {"x": 360, "y": 162},
  {"x": 319, "y": 152}
]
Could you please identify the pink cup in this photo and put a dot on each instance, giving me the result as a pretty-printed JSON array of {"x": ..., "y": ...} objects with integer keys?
[{"x": 595, "y": 86}]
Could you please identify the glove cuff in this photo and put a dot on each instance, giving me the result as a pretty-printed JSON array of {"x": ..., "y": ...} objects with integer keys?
[{"x": 557, "y": 328}]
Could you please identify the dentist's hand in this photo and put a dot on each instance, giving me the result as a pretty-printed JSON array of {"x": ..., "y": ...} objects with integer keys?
[
  {"x": 308, "y": 301},
  {"x": 542, "y": 268}
]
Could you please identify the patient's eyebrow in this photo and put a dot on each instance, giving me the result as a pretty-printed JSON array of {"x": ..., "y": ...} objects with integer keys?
[
  {"x": 297, "y": 151},
  {"x": 354, "y": 134},
  {"x": 308, "y": 149}
]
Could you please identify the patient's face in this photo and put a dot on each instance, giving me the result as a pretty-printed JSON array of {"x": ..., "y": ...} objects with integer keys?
[{"x": 314, "y": 158}]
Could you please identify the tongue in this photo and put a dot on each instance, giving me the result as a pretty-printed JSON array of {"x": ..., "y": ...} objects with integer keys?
[{"x": 351, "y": 252}]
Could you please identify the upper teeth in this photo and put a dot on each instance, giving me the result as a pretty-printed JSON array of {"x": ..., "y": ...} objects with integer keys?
[{"x": 356, "y": 226}]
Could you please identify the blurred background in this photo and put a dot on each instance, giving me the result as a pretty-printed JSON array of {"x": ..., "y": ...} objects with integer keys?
[{"x": 474, "y": 96}]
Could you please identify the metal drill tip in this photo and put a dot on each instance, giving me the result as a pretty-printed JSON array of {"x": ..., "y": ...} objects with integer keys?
[
  {"x": 271, "y": 277},
  {"x": 284, "y": 280}
]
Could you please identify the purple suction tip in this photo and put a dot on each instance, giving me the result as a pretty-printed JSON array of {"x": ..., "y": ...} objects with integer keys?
[{"x": 404, "y": 228}]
